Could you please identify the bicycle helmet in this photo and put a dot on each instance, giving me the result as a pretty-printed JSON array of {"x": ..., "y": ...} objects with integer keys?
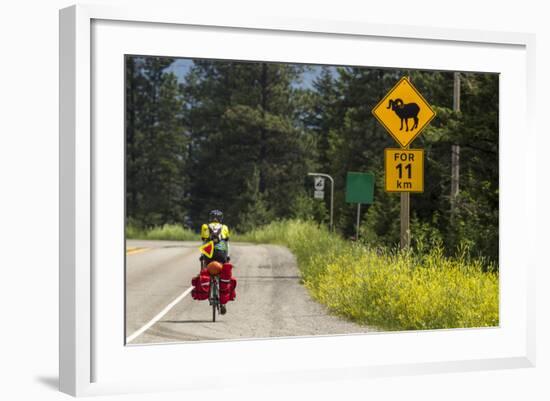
[{"x": 216, "y": 215}]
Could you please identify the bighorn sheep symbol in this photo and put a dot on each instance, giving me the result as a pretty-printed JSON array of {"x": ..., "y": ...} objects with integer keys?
[{"x": 404, "y": 112}]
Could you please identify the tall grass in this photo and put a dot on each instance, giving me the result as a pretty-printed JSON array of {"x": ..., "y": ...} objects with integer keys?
[
  {"x": 174, "y": 232},
  {"x": 390, "y": 289}
]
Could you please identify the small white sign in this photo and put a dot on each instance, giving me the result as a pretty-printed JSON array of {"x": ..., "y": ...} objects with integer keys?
[
  {"x": 319, "y": 183},
  {"x": 319, "y": 194}
]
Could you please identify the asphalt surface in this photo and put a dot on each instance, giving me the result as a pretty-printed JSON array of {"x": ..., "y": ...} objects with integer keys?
[{"x": 270, "y": 302}]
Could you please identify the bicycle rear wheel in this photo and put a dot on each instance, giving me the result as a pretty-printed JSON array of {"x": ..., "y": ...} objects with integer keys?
[{"x": 215, "y": 296}]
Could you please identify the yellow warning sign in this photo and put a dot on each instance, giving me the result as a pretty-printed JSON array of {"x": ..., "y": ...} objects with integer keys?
[
  {"x": 404, "y": 112},
  {"x": 404, "y": 170},
  {"x": 208, "y": 249}
]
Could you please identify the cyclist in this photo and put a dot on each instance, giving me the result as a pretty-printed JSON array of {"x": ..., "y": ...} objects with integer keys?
[{"x": 217, "y": 232}]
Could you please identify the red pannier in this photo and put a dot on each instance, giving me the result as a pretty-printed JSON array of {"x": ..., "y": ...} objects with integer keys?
[
  {"x": 201, "y": 285},
  {"x": 233, "y": 286},
  {"x": 227, "y": 284}
]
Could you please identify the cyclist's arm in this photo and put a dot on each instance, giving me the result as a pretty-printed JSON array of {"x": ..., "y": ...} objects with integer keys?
[
  {"x": 205, "y": 233},
  {"x": 225, "y": 232}
]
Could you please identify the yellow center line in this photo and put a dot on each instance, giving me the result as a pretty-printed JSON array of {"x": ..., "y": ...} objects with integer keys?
[{"x": 133, "y": 251}]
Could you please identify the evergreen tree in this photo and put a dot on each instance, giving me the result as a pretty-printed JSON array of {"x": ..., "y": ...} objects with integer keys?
[
  {"x": 155, "y": 141},
  {"x": 249, "y": 148}
]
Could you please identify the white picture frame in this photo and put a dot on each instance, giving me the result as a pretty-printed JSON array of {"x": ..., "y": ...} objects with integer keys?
[{"x": 93, "y": 358}]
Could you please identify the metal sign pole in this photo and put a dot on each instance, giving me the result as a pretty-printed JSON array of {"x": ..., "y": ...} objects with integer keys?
[
  {"x": 358, "y": 221},
  {"x": 331, "y": 225}
]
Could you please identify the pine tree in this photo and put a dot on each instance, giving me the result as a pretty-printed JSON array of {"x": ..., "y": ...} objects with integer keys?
[
  {"x": 156, "y": 143},
  {"x": 249, "y": 149}
]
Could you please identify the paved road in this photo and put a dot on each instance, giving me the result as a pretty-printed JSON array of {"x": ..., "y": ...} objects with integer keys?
[{"x": 271, "y": 301}]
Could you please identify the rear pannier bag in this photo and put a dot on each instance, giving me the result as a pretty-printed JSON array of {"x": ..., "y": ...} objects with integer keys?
[
  {"x": 233, "y": 286},
  {"x": 227, "y": 284},
  {"x": 201, "y": 287}
]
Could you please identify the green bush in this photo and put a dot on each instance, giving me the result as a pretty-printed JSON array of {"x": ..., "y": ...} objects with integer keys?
[
  {"x": 173, "y": 232},
  {"x": 390, "y": 289}
]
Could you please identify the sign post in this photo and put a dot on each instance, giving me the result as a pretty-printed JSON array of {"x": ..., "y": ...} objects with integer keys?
[
  {"x": 358, "y": 221},
  {"x": 404, "y": 113},
  {"x": 405, "y": 237},
  {"x": 359, "y": 189},
  {"x": 320, "y": 182}
]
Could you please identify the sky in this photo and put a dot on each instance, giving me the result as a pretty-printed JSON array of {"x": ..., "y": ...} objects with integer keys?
[{"x": 181, "y": 66}]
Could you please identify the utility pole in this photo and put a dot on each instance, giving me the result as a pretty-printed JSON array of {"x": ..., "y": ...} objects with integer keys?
[
  {"x": 405, "y": 237},
  {"x": 455, "y": 149}
]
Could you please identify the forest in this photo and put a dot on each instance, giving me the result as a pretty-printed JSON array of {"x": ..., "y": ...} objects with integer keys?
[{"x": 242, "y": 136}]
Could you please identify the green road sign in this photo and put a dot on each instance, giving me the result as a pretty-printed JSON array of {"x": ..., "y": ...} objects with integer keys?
[{"x": 360, "y": 188}]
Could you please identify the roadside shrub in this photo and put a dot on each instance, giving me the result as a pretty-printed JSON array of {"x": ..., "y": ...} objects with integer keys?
[
  {"x": 168, "y": 232},
  {"x": 393, "y": 290}
]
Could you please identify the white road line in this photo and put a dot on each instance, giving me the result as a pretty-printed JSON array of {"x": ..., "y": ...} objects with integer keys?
[{"x": 158, "y": 317}]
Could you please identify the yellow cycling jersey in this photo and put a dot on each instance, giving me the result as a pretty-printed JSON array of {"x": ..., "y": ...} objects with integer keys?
[{"x": 205, "y": 231}]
